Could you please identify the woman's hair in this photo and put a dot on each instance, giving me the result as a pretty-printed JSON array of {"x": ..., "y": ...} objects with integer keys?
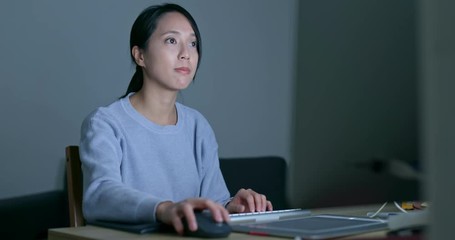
[{"x": 143, "y": 28}]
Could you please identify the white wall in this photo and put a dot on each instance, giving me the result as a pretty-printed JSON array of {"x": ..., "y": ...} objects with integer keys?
[{"x": 61, "y": 59}]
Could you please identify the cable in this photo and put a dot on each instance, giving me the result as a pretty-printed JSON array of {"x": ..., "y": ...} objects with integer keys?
[
  {"x": 399, "y": 207},
  {"x": 385, "y": 215},
  {"x": 378, "y": 211}
]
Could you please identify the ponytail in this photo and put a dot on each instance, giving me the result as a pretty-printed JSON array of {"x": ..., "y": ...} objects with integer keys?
[{"x": 136, "y": 82}]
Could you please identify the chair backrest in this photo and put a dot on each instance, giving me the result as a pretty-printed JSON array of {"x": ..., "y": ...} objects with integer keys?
[
  {"x": 74, "y": 184},
  {"x": 266, "y": 175}
]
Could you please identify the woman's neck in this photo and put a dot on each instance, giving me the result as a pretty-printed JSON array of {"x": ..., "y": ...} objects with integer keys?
[{"x": 156, "y": 106}]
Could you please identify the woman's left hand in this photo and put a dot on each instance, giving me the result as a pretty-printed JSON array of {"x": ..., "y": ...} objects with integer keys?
[{"x": 247, "y": 200}]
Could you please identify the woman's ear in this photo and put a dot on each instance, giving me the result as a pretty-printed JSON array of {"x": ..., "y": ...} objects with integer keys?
[{"x": 138, "y": 56}]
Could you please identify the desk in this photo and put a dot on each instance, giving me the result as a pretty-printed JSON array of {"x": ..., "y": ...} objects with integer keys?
[{"x": 99, "y": 233}]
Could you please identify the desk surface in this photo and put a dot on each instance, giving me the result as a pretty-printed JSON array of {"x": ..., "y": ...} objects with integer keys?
[{"x": 99, "y": 233}]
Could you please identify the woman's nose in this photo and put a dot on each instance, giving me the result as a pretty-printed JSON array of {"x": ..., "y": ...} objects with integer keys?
[{"x": 184, "y": 53}]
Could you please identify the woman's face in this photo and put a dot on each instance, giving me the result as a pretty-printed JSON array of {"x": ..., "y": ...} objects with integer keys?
[{"x": 171, "y": 57}]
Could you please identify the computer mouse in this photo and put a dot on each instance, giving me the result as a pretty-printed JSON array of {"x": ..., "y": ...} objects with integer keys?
[{"x": 207, "y": 227}]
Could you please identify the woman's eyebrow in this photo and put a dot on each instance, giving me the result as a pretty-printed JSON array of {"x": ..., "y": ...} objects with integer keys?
[{"x": 176, "y": 32}]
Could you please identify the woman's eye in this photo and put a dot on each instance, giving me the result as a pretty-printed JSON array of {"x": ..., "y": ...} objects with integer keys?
[
  {"x": 171, "y": 40},
  {"x": 194, "y": 44}
]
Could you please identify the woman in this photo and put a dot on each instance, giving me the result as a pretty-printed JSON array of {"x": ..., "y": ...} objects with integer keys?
[{"x": 146, "y": 157}]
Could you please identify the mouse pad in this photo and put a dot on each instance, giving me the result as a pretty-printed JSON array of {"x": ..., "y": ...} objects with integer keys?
[{"x": 140, "y": 228}]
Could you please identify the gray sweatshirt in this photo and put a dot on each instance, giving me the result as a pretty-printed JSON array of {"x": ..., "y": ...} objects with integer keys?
[{"x": 130, "y": 164}]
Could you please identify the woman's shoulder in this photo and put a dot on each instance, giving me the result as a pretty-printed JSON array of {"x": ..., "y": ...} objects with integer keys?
[
  {"x": 106, "y": 112},
  {"x": 190, "y": 112},
  {"x": 193, "y": 117},
  {"x": 196, "y": 122}
]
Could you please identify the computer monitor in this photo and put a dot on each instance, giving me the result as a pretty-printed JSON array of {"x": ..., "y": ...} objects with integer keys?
[{"x": 356, "y": 104}]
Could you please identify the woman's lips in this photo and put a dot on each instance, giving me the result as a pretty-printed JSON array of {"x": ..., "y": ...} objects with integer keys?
[{"x": 183, "y": 70}]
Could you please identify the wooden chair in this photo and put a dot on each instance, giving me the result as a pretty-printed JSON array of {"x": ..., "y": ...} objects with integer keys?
[{"x": 74, "y": 184}]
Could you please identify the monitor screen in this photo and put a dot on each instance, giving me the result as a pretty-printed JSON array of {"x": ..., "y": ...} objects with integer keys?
[{"x": 356, "y": 104}]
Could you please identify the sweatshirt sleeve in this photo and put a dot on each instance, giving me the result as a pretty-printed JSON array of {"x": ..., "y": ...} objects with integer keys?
[
  {"x": 105, "y": 197},
  {"x": 213, "y": 185}
]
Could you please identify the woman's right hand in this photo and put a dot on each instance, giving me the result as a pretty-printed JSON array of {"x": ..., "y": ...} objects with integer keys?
[{"x": 172, "y": 213}]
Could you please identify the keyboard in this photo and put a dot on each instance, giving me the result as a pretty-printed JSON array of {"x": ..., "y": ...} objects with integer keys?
[{"x": 257, "y": 217}]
